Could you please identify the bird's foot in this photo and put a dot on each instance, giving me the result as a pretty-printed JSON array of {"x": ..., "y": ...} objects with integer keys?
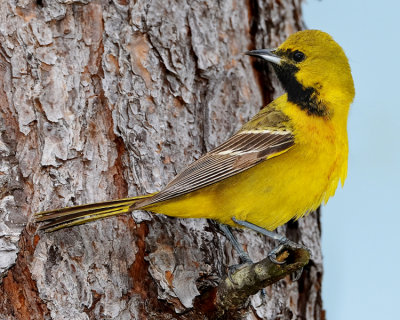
[
  {"x": 236, "y": 267},
  {"x": 277, "y": 255}
]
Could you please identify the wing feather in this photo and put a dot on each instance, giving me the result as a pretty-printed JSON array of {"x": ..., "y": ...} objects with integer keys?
[{"x": 242, "y": 151}]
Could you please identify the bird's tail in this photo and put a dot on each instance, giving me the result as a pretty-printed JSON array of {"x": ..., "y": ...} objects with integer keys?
[{"x": 53, "y": 220}]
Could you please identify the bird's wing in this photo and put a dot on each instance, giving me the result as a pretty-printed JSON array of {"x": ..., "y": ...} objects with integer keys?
[{"x": 242, "y": 151}]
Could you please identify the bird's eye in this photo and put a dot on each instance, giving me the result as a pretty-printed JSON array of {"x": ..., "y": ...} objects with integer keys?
[{"x": 298, "y": 56}]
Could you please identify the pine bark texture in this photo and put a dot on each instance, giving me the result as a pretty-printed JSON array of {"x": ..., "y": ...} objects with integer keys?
[{"x": 109, "y": 99}]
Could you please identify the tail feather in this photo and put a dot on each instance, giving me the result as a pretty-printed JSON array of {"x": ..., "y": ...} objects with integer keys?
[{"x": 67, "y": 217}]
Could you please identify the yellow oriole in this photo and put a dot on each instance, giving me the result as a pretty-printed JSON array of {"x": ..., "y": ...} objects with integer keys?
[{"x": 280, "y": 165}]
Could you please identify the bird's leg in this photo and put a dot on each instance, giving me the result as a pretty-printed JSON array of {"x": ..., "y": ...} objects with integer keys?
[
  {"x": 283, "y": 241},
  {"x": 244, "y": 256}
]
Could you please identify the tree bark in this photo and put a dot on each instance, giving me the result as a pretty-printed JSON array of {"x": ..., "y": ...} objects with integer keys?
[{"x": 109, "y": 99}]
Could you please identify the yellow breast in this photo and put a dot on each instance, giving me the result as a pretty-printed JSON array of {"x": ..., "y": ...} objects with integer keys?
[{"x": 279, "y": 189}]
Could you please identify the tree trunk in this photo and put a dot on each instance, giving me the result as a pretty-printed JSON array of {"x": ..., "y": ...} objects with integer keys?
[{"x": 108, "y": 99}]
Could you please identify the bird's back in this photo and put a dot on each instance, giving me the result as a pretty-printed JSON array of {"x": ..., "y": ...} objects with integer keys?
[{"x": 279, "y": 189}]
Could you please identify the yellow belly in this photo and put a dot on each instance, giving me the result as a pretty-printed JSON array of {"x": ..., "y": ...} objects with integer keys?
[
  {"x": 276, "y": 190},
  {"x": 267, "y": 195}
]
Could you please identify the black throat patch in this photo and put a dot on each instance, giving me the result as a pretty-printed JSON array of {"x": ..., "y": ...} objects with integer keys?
[{"x": 305, "y": 97}]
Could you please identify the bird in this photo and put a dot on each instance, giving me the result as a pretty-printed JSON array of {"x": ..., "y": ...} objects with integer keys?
[{"x": 282, "y": 164}]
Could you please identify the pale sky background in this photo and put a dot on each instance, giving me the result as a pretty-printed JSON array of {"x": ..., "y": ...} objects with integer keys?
[{"x": 361, "y": 224}]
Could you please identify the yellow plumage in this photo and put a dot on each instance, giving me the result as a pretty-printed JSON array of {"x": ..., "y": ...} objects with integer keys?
[
  {"x": 282, "y": 164},
  {"x": 277, "y": 190}
]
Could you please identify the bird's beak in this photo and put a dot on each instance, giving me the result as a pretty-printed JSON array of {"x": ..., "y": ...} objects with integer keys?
[{"x": 266, "y": 54}]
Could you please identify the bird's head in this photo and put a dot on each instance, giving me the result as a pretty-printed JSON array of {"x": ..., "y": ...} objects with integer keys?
[{"x": 314, "y": 71}]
